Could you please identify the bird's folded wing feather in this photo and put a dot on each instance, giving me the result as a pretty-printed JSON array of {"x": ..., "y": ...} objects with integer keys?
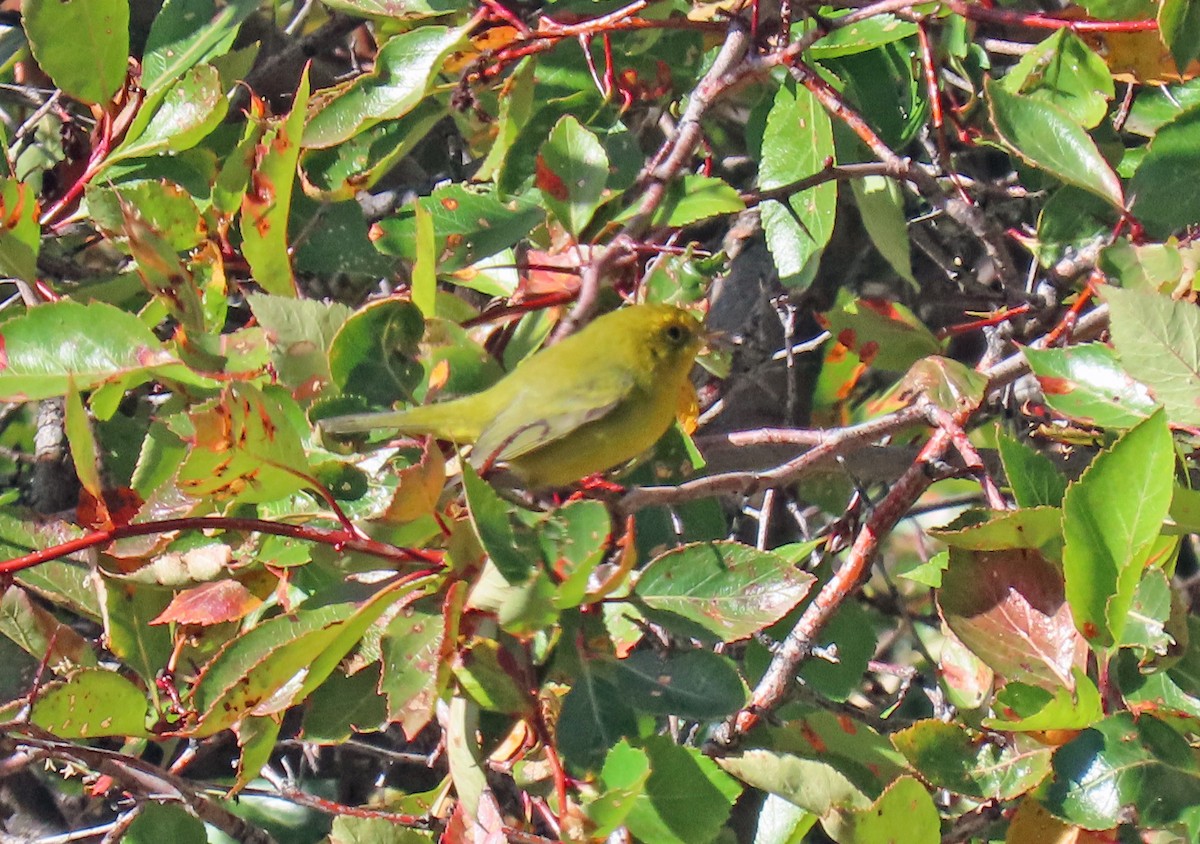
[{"x": 532, "y": 421}]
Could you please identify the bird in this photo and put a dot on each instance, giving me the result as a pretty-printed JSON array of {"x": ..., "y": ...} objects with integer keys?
[{"x": 587, "y": 404}]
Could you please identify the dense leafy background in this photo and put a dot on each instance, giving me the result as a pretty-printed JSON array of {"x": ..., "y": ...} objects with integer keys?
[{"x": 922, "y": 571}]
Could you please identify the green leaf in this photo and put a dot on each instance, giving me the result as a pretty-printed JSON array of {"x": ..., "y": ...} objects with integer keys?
[
  {"x": 82, "y": 440},
  {"x": 821, "y": 762},
  {"x": 697, "y": 684},
  {"x": 1072, "y": 221},
  {"x": 599, "y": 718},
  {"x": 687, "y": 798},
  {"x": 91, "y": 704},
  {"x": 1122, "y": 764},
  {"x": 1157, "y": 105},
  {"x": 860, "y": 36},
  {"x": 167, "y": 208},
  {"x": 511, "y": 545},
  {"x": 187, "y": 33},
  {"x": 1171, "y": 160},
  {"x": 624, "y": 776},
  {"x": 1148, "y": 267},
  {"x": 404, "y": 70},
  {"x": 129, "y": 609},
  {"x": 369, "y": 830},
  {"x": 1030, "y": 527},
  {"x": 279, "y": 662},
  {"x": 1032, "y": 476},
  {"x": 1027, "y": 708},
  {"x": 191, "y": 109},
  {"x": 572, "y": 170},
  {"x": 905, "y": 804},
  {"x": 970, "y": 763},
  {"x": 344, "y": 705},
  {"x": 811, "y": 784},
  {"x": 1064, "y": 72},
  {"x": 93, "y": 344},
  {"x": 424, "y": 271},
  {"x": 881, "y": 206},
  {"x": 694, "y": 198},
  {"x": 1179, "y": 24},
  {"x": 301, "y": 332},
  {"x": 1047, "y": 139},
  {"x": 729, "y": 589},
  {"x": 83, "y": 45},
  {"x": 341, "y": 171},
  {"x": 158, "y": 822},
  {"x": 412, "y": 670},
  {"x": 469, "y": 224},
  {"x": 373, "y": 354},
  {"x": 1158, "y": 340},
  {"x": 1111, "y": 515},
  {"x": 34, "y": 628},
  {"x": 268, "y": 199},
  {"x": 1086, "y": 384},
  {"x": 850, "y": 635},
  {"x": 399, "y": 9},
  {"x": 797, "y": 142}
]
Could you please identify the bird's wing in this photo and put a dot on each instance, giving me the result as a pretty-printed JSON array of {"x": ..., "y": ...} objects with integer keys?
[{"x": 539, "y": 416}]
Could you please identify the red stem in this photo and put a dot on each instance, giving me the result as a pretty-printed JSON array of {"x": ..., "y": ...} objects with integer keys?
[
  {"x": 1007, "y": 17},
  {"x": 337, "y": 538}
]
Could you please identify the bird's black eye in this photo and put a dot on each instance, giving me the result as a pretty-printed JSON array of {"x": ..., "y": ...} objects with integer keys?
[{"x": 675, "y": 333}]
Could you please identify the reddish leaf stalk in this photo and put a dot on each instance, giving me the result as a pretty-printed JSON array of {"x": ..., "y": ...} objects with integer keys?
[
  {"x": 1007, "y": 17},
  {"x": 95, "y": 161},
  {"x": 339, "y": 539},
  {"x": 948, "y": 422}
]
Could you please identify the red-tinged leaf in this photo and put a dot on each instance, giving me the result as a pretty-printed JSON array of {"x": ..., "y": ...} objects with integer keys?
[
  {"x": 1085, "y": 383},
  {"x": 1009, "y": 608},
  {"x": 245, "y": 444},
  {"x": 549, "y": 182},
  {"x": 882, "y": 333},
  {"x": 210, "y": 603},
  {"x": 968, "y": 679},
  {"x": 20, "y": 233},
  {"x": 268, "y": 199},
  {"x": 571, "y": 171},
  {"x": 419, "y": 487}
]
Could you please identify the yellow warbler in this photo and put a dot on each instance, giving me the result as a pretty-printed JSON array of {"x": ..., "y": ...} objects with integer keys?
[{"x": 595, "y": 400}]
